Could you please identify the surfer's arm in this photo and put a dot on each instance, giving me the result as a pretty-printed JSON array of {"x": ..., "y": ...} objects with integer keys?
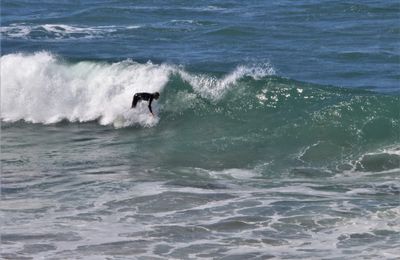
[
  {"x": 151, "y": 100},
  {"x": 135, "y": 99},
  {"x": 133, "y": 102}
]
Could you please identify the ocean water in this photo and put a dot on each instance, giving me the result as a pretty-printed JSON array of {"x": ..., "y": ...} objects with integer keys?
[{"x": 276, "y": 136}]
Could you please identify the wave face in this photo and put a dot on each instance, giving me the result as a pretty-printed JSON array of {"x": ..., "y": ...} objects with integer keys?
[
  {"x": 240, "y": 111},
  {"x": 42, "y": 88}
]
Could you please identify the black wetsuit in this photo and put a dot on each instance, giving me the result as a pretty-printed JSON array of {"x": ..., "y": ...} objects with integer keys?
[{"x": 143, "y": 96}]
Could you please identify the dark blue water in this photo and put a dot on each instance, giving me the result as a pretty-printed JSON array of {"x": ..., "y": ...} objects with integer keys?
[
  {"x": 276, "y": 136},
  {"x": 350, "y": 44}
]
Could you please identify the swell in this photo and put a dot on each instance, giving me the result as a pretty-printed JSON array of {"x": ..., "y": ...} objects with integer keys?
[
  {"x": 44, "y": 88},
  {"x": 284, "y": 122},
  {"x": 249, "y": 113}
]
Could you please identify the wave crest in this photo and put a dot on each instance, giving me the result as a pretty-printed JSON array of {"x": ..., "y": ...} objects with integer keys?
[
  {"x": 41, "y": 88},
  {"x": 44, "y": 88}
]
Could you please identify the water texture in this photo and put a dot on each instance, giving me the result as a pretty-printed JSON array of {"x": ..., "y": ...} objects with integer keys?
[{"x": 276, "y": 136}]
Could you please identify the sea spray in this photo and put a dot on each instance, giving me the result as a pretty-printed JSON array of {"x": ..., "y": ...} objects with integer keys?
[
  {"x": 214, "y": 88},
  {"x": 42, "y": 88}
]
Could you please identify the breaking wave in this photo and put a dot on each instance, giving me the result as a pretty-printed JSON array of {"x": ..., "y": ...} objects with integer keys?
[{"x": 44, "y": 88}]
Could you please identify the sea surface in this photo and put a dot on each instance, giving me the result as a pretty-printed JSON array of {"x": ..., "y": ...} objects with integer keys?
[{"x": 276, "y": 136}]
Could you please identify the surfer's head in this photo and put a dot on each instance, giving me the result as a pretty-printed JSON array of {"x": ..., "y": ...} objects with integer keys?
[{"x": 156, "y": 95}]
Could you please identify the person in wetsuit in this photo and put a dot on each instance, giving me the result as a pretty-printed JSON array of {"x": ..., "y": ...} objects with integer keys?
[{"x": 145, "y": 96}]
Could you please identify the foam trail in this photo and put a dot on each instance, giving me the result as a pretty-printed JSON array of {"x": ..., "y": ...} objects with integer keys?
[{"x": 41, "y": 88}]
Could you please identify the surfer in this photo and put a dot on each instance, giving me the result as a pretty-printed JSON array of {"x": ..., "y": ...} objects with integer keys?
[{"x": 145, "y": 96}]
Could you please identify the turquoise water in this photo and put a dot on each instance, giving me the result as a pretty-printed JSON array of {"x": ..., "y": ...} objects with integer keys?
[{"x": 276, "y": 134}]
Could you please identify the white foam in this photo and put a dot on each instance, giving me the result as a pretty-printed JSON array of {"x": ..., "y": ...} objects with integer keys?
[
  {"x": 215, "y": 88},
  {"x": 242, "y": 174},
  {"x": 361, "y": 191},
  {"x": 40, "y": 88},
  {"x": 389, "y": 150},
  {"x": 60, "y": 31},
  {"x": 15, "y": 31}
]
